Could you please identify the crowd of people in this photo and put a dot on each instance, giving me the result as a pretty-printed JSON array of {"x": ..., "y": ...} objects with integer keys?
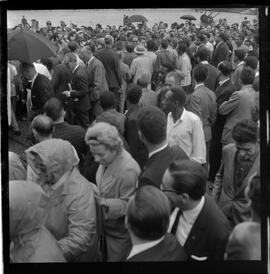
[{"x": 145, "y": 145}]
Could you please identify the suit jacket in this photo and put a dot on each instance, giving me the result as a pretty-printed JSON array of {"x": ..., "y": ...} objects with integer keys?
[
  {"x": 221, "y": 53},
  {"x": 167, "y": 250},
  {"x": 41, "y": 92},
  {"x": 241, "y": 105},
  {"x": 60, "y": 79},
  {"x": 223, "y": 94},
  {"x": 203, "y": 103},
  {"x": 157, "y": 164},
  {"x": 79, "y": 96},
  {"x": 209, "y": 233},
  {"x": 111, "y": 64},
  {"x": 137, "y": 148},
  {"x": 231, "y": 200},
  {"x": 96, "y": 79},
  {"x": 236, "y": 77}
]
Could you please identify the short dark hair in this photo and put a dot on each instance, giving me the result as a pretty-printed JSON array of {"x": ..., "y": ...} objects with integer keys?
[
  {"x": 240, "y": 54},
  {"x": 189, "y": 177},
  {"x": 26, "y": 66},
  {"x": 43, "y": 125},
  {"x": 107, "y": 100},
  {"x": 203, "y": 53},
  {"x": 153, "y": 124},
  {"x": 223, "y": 36},
  {"x": 129, "y": 47},
  {"x": 179, "y": 95},
  {"x": 225, "y": 68},
  {"x": 73, "y": 46},
  {"x": 252, "y": 61},
  {"x": 200, "y": 73},
  {"x": 245, "y": 131},
  {"x": 134, "y": 94},
  {"x": 53, "y": 108},
  {"x": 182, "y": 47},
  {"x": 148, "y": 213},
  {"x": 150, "y": 45},
  {"x": 164, "y": 43},
  {"x": 247, "y": 76}
]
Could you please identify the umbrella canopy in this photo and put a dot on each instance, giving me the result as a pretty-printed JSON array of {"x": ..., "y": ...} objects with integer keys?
[
  {"x": 188, "y": 17},
  {"x": 136, "y": 18},
  {"x": 28, "y": 46}
]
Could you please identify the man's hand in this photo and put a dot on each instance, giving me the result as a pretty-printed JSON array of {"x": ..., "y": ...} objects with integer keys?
[{"x": 66, "y": 92}]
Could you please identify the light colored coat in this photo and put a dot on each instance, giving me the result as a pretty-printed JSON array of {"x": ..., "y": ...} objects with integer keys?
[
  {"x": 241, "y": 105},
  {"x": 231, "y": 200},
  {"x": 72, "y": 215},
  {"x": 117, "y": 184}
]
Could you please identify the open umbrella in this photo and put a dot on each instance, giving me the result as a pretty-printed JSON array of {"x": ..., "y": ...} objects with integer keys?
[
  {"x": 136, "y": 18},
  {"x": 28, "y": 46},
  {"x": 188, "y": 17}
]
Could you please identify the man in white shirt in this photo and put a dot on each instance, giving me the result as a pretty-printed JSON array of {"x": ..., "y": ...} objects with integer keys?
[
  {"x": 197, "y": 222},
  {"x": 147, "y": 221},
  {"x": 184, "y": 128}
]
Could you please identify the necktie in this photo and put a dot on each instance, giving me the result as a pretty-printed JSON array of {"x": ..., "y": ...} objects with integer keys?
[{"x": 174, "y": 227}]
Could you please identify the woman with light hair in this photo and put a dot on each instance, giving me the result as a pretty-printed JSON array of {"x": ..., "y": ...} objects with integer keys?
[{"x": 116, "y": 179}]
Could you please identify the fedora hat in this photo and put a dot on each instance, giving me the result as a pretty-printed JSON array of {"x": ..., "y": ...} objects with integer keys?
[{"x": 140, "y": 49}]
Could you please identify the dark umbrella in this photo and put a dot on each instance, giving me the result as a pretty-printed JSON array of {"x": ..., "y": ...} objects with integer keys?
[
  {"x": 136, "y": 18},
  {"x": 28, "y": 46},
  {"x": 188, "y": 17}
]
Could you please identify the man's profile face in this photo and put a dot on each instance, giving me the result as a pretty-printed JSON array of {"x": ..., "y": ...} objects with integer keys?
[
  {"x": 246, "y": 150},
  {"x": 169, "y": 105},
  {"x": 170, "y": 81}
]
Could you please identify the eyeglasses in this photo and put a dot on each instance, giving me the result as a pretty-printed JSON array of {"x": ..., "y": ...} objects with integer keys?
[{"x": 163, "y": 189}]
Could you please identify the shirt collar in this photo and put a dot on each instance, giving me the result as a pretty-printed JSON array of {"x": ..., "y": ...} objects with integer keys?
[
  {"x": 157, "y": 150},
  {"x": 205, "y": 62},
  {"x": 75, "y": 68},
  {"x": 240, "y": 64},
  {"x": 198, "y": 85},
  {"x": 223, "y": 81},
  {"x": 192, "y": 214},
  {"x": 33, "y": 79},
  {"x": 138, "y": 248},
  {"x": 180, "y": 119},
  {"x": 90, "y": 59}
]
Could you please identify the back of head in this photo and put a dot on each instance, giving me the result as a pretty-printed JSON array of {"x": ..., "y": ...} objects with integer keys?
[
  {"x": 225, "y": 68},
  {"x": 144, "y": 80},
  {"x": 245, "y": 242},
  {"x": 73, "y": 46},
  {"x": 176, "y": 75},
  {"x": 107, "y": 100},
  {"x": 179, "y": 95},
  {"x": 90, "y": 47},
  {"x": 222, "y": 36},
  {"x": 108, "y": 40},
  {"x": 189, "y": 177},
  {"x": 240, "y": 54},
  {"x": 164, "y": 43},
  {"x": 150, "y": 45},
  {"x": 110, "y": 119},
  {"x": 69, "y": 57},
  {"x": 252, "y": 62},
  {"x": 129, "y": 47},
  {"x": 203, "y": 53},
  {"x": 182, "y": 47},
  {"x": 53, "y": 108},
  {"x": 245, "y": 131},
  {"x": 43, "y": 125},
  {"x": 247, "y": 76},
  {"x": 152, "y": 124},
  {"x": 134, "y": 94},
  {"x": 200, "y": 73},
  {"x": 148, "y": 213}
]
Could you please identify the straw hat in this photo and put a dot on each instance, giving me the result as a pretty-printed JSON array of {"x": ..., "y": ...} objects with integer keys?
[{"x": 140, "y": 49}]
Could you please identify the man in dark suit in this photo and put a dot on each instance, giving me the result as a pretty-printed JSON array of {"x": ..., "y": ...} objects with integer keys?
[
  {"x": 61, "y": 75},
  {"x": 223, "y": 92},
  {"x": 147, "y": 220},
  {"x": 137, "y": 148},
  {"x": 96, "y": 78},
  {"x": 203, "y": 103},
  {"x": 197, "y": 222},
  {"x": 221, "y": 51},
  {"x": 110, "y": 61},
  {"x": 202, "y": 57},
  {"x": 73, "y": 133},
  {"x": 152, "y": 126},
  {"x": 40, "y": 89},
  {"x": 78, "y": 97}
]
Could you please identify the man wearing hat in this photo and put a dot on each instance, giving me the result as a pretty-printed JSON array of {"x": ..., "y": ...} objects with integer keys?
[{"x": 140, "y": 65}]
